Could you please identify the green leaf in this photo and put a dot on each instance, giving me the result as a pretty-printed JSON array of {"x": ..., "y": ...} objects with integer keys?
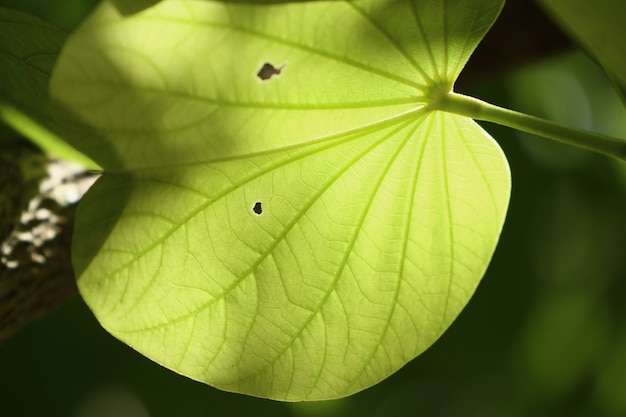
[
  {"x": 28, "y": 49},
  {"x": 133, "y": 6},
  {"x": 300, "y": 237},
  {"x": 599, "y": 27}
]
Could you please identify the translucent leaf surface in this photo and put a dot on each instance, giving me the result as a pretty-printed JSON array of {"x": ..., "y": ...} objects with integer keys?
[{"x": 298, "y": 237}]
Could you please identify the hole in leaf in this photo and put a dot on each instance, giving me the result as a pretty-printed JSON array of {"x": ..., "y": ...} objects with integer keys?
[
  {"x": 268, "y": 70},
  {"x": 257, "y": 208}
]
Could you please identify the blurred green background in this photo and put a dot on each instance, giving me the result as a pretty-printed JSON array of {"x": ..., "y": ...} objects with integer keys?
[{"x": 545, "y": 334}]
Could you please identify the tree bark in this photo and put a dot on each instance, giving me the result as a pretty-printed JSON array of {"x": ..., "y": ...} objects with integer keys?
[{"x": 35, "y": 233}]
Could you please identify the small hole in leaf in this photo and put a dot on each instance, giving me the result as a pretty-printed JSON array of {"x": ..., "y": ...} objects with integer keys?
[
  {"x": 268, "y": 70},
  {"x": 258, "y": 209}
]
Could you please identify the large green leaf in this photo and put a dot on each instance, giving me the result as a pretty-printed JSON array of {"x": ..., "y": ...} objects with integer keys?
[
  {"x": 301, "y": 237},
  {"x": 28, "y": 49},
  {"x": 599, "y": 26}
]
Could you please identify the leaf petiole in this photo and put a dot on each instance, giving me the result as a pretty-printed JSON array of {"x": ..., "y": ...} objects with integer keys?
[{"x": 480, "y": 110}]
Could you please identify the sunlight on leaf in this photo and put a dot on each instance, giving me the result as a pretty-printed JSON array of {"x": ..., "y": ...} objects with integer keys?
[{"x": 300, "y": 236}]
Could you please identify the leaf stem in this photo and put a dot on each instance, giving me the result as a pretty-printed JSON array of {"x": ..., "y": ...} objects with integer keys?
[{"x": 480, "y": 110}]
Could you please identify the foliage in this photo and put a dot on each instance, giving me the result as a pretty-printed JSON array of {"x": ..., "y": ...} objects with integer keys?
[
  {"x": 598, "y": 26},
  {"x": 379, "y": 213},
  {"x": 29, "y": 49}
]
